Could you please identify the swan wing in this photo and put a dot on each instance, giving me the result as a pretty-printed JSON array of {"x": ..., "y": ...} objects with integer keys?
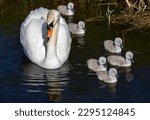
[
  {"x": 116, "y": 60},
  {"x": 32, "y": 33},
  {"x": 63, "y": 41}
]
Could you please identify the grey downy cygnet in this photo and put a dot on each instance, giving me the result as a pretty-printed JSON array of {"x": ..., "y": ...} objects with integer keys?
[
  {"x": 108, "y": 76},
  {"x": 121, "y": 61},
  {"x": 97, "y": 65},
  {"x": 113, "y": 46},
  {"x": 66, "y": 10},
  {"x": 78, "y": 29}
]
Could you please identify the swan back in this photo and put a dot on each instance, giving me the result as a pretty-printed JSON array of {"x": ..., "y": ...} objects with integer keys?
[
  {"x": 36, "y": 14},
  {"x": 33, "y": 34}
]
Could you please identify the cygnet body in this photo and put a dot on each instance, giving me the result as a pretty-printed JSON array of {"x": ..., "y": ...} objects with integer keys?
[
  {"x": 108, "y": 76},
  {"x": 121, "y": 61},
  {"x": 113, "y": 46},
  {"x": 66, "y": 10},
  {"x": 97, "y": 65},
  {"x": 78, "y": 29}
]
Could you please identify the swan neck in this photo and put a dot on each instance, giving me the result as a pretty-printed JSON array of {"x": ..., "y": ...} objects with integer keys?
[
  {"x": 53, "y": 39},
  {"x": 52, "y": 44}
]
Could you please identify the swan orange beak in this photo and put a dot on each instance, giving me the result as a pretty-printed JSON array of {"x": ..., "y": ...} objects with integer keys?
[{"x": 49, "y": 33}]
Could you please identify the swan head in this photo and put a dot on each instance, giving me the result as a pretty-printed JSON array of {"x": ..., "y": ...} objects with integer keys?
[
  {"x": 81, "y": 25},
  {"x": 118, "y": 41},
  {"x": 113, "y": 72},
  {"x": 102, "y": 61},
  {"x": 52, "y": 18},
  {"x": 129, "y": 55},
  {"x": 70, "y": 6}
]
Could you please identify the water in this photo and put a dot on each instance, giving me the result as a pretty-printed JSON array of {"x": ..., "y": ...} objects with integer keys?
[{"x": 23, "y": 81}]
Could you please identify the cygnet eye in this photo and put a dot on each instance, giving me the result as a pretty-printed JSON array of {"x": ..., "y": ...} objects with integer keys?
[{"x": 50, "y": 25}]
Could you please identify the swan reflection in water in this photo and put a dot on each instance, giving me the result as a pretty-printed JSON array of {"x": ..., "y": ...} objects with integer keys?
[{"x": 51, "y": 82}]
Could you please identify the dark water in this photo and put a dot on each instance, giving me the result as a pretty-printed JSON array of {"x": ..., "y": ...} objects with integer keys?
[{"x": 23, "y": 81}]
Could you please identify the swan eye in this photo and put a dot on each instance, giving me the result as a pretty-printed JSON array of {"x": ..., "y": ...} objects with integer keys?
[{"x": 50, "y": 25}]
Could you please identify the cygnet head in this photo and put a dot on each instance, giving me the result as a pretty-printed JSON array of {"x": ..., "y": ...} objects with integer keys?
[
  {"x": 118, "y": 41},
  {"x": 70, "y": 6},
  {"x": 129, "y": 55},
  {"x": 52, "y": 18},
  {"x": 81, "y": 25},
  {"x": 113, "y": 72},
  {"x": 102, "y": 62}
]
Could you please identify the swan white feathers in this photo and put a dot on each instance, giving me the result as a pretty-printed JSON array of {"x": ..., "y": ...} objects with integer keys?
[{"x": 49, "y": 54}]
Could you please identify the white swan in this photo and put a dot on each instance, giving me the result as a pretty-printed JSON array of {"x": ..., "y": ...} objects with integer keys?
[
  {"x": 66, "y": 10},
  {"x": 113, "y": 46},
  {"x": 108, "y": 77},
  {"x": 52, "y": 53},
  {"x": 78, "y": 29},
  {"x": 121, "y": 61},
  {"x": 97, "y": 65}
]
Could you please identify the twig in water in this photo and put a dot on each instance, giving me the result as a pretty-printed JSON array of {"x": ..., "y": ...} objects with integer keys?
[{"x": 108, "y": 14}]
